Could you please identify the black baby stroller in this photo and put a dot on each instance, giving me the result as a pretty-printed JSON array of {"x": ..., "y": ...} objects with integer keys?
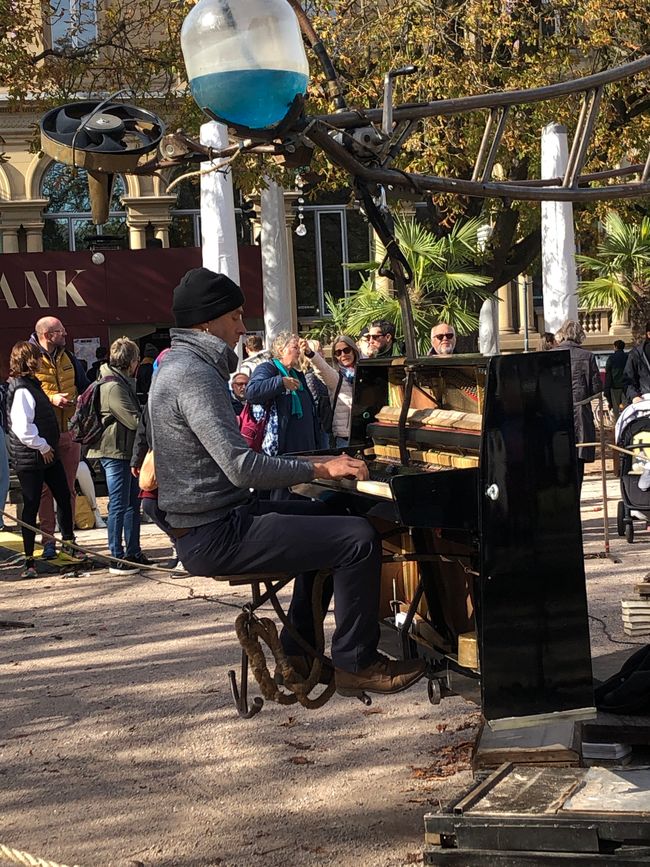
[{"x": 633, "y": 433}]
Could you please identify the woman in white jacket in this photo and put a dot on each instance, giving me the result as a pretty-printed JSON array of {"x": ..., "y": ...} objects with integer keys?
[{"x": 339, "y": 381}]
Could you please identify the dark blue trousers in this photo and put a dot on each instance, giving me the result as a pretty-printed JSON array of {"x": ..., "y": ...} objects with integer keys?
[{"x": 301, "y": 537}]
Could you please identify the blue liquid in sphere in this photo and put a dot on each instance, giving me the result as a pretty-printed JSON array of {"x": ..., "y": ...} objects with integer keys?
[{"x": 255, "y": 98}]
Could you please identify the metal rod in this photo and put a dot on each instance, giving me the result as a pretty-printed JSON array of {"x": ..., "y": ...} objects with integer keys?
[
  {"x": 387, "y": 115},
  {"x": 496, "y": 141},
  {"x": 603, "y": 472},
  {"x": 583, "y": 144},
  {"x": 489, "y": 123},
  {"x": 445, "y": 107},
  {"x": 482, "y": 190},
  {"x": 646, "y": 170},
  {"x": 577, "y": 137}
]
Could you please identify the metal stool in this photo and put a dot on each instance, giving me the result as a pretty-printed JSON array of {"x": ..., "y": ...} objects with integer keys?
[{"x": 273, "y": 583}]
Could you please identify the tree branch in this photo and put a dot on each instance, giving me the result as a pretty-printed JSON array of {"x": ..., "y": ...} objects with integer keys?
[{"x": 83, "y": 51}]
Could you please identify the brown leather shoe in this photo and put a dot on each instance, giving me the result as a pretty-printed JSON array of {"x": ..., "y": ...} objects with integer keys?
[
  {"x": 384, "y": 675},
  {"x": 302, "y": 666}
]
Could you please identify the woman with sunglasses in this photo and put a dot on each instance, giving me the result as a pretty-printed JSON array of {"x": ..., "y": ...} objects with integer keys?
[{"x": 339, "y": 381}]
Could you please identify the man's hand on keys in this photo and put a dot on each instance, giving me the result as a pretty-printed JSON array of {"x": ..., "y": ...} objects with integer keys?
[{"x": 338, "y": 467}]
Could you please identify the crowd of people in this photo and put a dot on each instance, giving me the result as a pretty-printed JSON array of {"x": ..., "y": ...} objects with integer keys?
[{"x": 224, "y": 506}]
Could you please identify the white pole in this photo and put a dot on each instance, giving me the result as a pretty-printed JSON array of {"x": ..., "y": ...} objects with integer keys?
[
  {"x": 279, "y": 303},
  {"x": 218, "y": 227},
  {"x": 488, "y": 327},
  {"x": 559, "y": 274}
]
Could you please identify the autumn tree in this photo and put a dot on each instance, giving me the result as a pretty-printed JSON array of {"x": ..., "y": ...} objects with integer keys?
[
  {"x": 463, "y": 48},
  {"x": 460, "y": 47}
]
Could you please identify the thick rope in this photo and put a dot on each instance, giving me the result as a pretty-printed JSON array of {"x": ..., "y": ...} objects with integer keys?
[
  {"x": 7, "y": 853},
  {"x": 252, "y": 630},
  {"x": 89, "y": 552}
]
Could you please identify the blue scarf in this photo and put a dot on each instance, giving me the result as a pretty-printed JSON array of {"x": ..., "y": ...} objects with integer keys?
[{"x": 296, "y": 405}]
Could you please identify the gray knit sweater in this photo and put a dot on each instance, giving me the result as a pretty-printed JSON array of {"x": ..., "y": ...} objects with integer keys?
[{"x": 203, "y": 465}]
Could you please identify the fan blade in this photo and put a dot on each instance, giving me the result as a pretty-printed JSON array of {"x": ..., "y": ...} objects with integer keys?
[
  {"x": 108, "y": 144},
  {"x": 81, "y": 142},
  {"x": 66, "y": 123}
]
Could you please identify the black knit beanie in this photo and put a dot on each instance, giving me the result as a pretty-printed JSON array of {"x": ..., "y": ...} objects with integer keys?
[{"x": 203, "y": 295}]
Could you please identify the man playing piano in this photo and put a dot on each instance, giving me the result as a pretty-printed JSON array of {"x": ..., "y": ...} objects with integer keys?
[{"x": 206, "y": 471}]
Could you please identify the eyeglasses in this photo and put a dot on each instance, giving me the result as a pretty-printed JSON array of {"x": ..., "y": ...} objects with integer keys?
[
  {"x": 57, "y": 331},
  {"x": 346, "y": 351},
  {"x": 448, "y": 335},
  {"x": 376, "y": 336}
]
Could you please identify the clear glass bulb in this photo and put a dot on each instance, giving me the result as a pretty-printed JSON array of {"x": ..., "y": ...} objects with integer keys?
[
  {"x": 301, "y": 230},
  {"x": 245, "y": 59}
]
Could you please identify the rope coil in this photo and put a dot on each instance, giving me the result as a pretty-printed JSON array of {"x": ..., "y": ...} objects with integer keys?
[
  {"x": 18, "y": 856},
  {"x": 252, "y": 631}
]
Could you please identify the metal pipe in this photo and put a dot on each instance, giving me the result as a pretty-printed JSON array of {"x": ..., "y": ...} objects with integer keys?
[
  {"x": 482, "y": 190},
  {"x": 583, "y": 142},
  {"x": 446, "y": 107}
]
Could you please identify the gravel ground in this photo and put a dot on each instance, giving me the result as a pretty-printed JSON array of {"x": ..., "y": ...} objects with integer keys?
[{"x": 120, "y": 746}]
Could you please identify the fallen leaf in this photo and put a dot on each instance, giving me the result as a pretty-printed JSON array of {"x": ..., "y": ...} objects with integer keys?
[
  {"x": 298, "y": 746},
  {"x": 300, "y": 760},
  {"x": 290, "y": 723},
  {"x": 449, "y": 761},
  {"x": 370, "y": 710},
  {"x": 441, "y": 727}
]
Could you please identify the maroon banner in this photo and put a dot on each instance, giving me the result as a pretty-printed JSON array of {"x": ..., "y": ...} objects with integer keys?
[{"x": 131, "y": 287}]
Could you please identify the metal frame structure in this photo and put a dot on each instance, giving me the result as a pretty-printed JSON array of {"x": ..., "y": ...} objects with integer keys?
[{"x": 365, "y": 142}]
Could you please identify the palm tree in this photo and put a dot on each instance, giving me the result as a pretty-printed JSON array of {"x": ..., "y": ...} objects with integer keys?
[
  {"x": 446, "y": 287},
  {"x": 622, "y": 271}
]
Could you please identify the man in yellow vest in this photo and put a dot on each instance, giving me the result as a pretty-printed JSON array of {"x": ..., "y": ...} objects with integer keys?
[{"x": 62, "y": 379}]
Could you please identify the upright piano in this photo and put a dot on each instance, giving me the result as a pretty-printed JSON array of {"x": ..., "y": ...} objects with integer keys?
[{"x": 472, "y": 464}]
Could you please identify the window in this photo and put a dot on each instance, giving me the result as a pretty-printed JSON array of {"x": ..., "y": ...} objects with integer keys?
[
  {"x": 336, "y": 234},
  {"x": 68, "y": 222},
  {"x": 73, "y": 22},
  {"x": 185, "y": 226}
]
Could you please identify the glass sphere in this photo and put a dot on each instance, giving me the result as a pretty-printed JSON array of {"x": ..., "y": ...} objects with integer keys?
[
  {"x": 245, "y": 59},
  {"x": 301, "y": 230}
]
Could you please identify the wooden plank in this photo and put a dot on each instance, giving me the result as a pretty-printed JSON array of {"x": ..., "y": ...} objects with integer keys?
[
  {"x": 554, "y": 742},
  {"x": 529, "y": 791}
]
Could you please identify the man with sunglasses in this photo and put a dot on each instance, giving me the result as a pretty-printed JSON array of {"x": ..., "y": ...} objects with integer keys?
[
  {"x": 381, "y": 339},
  {"x": 443, "y": 339}
]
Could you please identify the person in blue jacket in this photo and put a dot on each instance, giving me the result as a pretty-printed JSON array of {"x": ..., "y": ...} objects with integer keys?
[{"x": 280, "y": 388}]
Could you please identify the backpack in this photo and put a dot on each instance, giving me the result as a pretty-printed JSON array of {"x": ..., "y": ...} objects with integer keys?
[
  {"x": 85, "y": 426},
  {"x": 251, "y": 429}
]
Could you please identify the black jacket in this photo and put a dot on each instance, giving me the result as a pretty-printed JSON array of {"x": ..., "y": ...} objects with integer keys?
[
  {"x": 636, "y": 379},
  {"x": 585, "y": 383},
  {"x": 143, "y": 439},
  {"x": 23, "y": 457}
]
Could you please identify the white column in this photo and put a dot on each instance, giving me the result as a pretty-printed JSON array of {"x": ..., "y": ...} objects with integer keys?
[
  {"x": 558, "y": 242},
  {"x": 488, "y": 327},
  {"x": 279, "y": 297},
  {"x": 218, "y": 229}
]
